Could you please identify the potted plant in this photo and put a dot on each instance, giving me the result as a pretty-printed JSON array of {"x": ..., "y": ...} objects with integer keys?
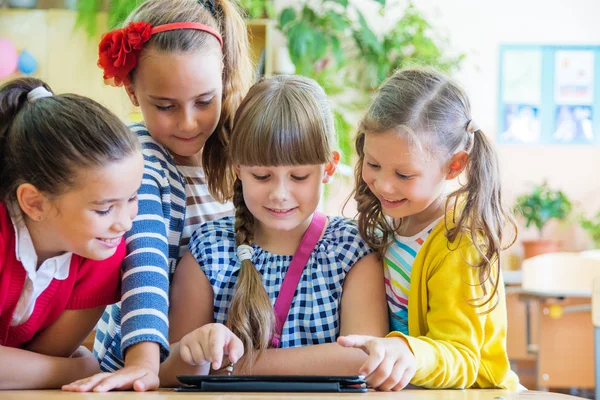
[
  {"x": 592, "y": 227},
  {"x": 538, "y": 207}
]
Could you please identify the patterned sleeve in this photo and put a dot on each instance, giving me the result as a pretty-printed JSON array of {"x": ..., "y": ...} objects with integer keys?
[
  {"x": 352, "y": 246},
  {"x": 212, "y": 244},
  {"x": 145, "y": 284}
]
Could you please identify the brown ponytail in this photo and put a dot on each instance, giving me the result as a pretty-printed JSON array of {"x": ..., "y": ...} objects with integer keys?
[
  {"x": 482, "y": 214},
  {"x": 237, "y": 78},
  {"x": 47, "y": 141},
  {"x": 250, "y": 314}
]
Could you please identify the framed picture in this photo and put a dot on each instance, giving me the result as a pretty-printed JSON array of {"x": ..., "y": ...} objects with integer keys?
[{"x": 549, "y": 95}]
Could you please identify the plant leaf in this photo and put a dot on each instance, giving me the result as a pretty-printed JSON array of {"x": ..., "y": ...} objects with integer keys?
[{"x": 287, "y": 15}]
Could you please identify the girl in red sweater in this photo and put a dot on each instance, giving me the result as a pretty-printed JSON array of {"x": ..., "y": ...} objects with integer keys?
[{"x": 69, "y": 175}]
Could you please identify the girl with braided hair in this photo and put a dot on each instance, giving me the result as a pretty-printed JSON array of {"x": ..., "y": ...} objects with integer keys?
[{"x": 273, "y": 287}]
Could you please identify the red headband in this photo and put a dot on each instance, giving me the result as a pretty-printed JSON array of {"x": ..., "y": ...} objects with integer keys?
[{"x": 119, "y": 49}]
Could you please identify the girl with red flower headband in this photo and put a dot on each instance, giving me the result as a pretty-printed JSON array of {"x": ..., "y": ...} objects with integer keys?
[{"x": 185, "y": 63}]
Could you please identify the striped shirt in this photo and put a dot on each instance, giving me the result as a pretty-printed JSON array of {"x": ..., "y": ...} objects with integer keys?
[
  {"x": 153, "y": 250},
  {"x": 399, "y": 259},
  {"x": 200, "y": 205}
]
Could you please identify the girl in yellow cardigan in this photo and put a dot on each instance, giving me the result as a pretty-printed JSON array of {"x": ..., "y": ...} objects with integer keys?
[{"x": 441, "y": 250}]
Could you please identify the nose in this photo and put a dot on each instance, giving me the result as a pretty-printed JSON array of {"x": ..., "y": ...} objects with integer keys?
[
  {"x": 383, "y": 185},
  {"x": 187, "y": 121},
  {"x": 279, "y": 192},
  {"x": 124, "y": 220}
]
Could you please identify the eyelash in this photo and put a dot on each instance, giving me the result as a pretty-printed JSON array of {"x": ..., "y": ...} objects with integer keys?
[
  {"x": 265, "y": 177},
  {"x": 400, "y": 176},
  {"x": 198, "y": 103},
  {"x": 106, "y": 212}
]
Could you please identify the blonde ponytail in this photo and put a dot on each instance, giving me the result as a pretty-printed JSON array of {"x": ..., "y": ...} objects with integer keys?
[
  {"x": 237, "y": 78},
  {"x": 250, "y": 314}
]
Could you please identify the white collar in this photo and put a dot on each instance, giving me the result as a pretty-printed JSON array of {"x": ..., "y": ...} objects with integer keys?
[{"x": 25, "y": 253}]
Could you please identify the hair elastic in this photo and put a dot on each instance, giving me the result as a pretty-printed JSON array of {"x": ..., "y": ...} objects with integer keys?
[
  {"x": 38, "y": 93},
  {"x": 245, "y": 252}
]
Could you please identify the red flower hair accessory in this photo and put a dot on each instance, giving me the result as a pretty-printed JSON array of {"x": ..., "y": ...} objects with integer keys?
[{"x": 120, "y": 49}]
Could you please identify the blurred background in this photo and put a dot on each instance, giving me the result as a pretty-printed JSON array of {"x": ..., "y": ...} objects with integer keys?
[{"x": 529, "y": 68}]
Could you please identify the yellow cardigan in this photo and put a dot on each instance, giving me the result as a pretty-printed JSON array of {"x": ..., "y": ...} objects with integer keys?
[{"x": 454, "y": 343}]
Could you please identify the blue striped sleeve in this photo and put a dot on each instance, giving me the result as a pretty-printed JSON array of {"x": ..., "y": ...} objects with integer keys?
[{"x": 145, "y": 289}]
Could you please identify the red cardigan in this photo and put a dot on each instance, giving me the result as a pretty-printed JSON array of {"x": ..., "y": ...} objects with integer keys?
[{"x": 90, "y": 284}]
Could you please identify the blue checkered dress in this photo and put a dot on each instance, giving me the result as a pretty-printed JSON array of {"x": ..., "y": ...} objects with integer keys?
[{"x": 315, "y": 311}]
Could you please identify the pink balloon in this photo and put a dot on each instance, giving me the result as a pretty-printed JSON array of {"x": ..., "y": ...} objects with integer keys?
[{"x": 8, "y": 58}]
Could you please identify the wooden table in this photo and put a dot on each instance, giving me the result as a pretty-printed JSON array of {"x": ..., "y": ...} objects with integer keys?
[{"x": 170, "y": 395}]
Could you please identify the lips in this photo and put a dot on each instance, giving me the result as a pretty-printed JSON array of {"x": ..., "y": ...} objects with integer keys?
[
  {"x": 281, "y": 212},
  {"x": 191, "y": 139},
  {"x": 389, "y": 203},
  {"x": 112, "y": 240},
  {"x": 110, "y": 243}
]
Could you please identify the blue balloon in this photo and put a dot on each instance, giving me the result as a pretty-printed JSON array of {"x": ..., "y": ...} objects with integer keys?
[{"x": 27, "y": 63}]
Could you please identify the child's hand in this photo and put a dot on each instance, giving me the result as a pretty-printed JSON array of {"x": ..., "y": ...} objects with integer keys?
[
  {"x": 209, "y": 344},
  {"x": 134, "y": 377},
  {"x": 391, "y": 364}
]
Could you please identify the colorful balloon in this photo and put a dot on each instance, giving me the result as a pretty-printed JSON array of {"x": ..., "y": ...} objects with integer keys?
[
  {"x": 27, "y": 63},
  {"x": 8, "y": 58}
]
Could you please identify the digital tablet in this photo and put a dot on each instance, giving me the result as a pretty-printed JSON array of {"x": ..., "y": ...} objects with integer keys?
[{"x": 271, "y": 383}]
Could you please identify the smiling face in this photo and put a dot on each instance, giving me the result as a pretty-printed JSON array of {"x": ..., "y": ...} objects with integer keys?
[
  {"x": 180, "y": 97},
  {"x": 407, "y": 181},
  {"x": 91, "y": 219},
  {"x": 282, "y": 198}
]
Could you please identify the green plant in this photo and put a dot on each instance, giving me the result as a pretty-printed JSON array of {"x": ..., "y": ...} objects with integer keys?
[
  {"x": 543, "y": 204},
  {"x": 118, "y": 10},
  {"x": 592, "y": 227},
  {"x": 258, "y": 8},
  {"x": 412, "y": 41},
  {"x": 341, "y": 52}
]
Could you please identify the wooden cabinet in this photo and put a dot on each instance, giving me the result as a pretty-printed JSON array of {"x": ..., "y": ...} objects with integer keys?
[
  {"x": 566, "y": 345},
  {"x": 560, "y": 350}
]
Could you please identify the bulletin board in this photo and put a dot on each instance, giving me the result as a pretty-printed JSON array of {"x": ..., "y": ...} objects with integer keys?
[{"x": 549, "y": 95}]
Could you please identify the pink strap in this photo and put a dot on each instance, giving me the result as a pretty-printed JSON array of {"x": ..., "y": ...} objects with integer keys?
[{"x": 294, "y": 273}]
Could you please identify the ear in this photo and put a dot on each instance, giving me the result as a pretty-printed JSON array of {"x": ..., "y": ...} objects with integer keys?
[
  {"x": 331, "y": 167},
  {"x": 33, "y": 202},
  {"x": 131, "y": 93},
  {"x": 236, "y": 169},
  {"x": 457, "y": 164}
]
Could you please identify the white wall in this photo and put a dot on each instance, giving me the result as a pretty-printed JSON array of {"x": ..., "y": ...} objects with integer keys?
[{"x": 477, "y": 28}]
